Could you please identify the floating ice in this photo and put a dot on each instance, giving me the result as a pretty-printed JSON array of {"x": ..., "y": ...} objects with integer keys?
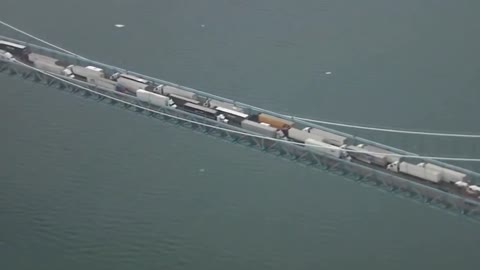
[{"x": 328, "y": 72}]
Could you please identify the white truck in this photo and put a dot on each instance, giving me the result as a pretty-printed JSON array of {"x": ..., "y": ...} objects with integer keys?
[
  {"x": 328, "y": 137},
  {"x": 415, "y": 170},
  {"x": 6, "y": 56},
  {"x": 87, "y": 74},
  {"x": 326, "y": 149},
  {"x": 302, "y": 135},
  {"x": 448, "y": 175},
  {"x": 212, "y": 103},
  {"x": 46, "y": 63},
  {"x": 381, "y": 154},
  {"x": 168, "y": 90},
  {"x": 361, "y": 154},
  {"x": 260, "y": 128},
  {"x": 130, "y": 83},
  {"x": 155, "y": 99},
  {"x": 473, "y": 189}
]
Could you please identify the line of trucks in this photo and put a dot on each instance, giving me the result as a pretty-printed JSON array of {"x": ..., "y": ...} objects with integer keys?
[{"x": 316, "y": 140}]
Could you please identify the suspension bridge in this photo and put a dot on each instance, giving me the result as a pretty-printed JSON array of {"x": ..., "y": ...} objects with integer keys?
[{"x": 398, "y": 184}]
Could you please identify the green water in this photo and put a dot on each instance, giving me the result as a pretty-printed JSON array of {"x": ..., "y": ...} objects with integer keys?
[{"x": 84, "y": 185}]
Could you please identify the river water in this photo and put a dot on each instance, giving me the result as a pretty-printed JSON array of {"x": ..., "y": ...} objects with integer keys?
[{"x": 84, "y": 185}]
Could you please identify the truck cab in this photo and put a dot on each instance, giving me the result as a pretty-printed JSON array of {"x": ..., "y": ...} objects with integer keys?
[
  {"x": 461, "y": 184},
  {"x": 172, "y": 104},
  {"x": 393, "y": 166},
  {"x": 280, "y": 134},
  {"x": 473, "y": 189},
  {"x": 345, "y": 154},
  {"x": 68, "y": 72},
  {"x": 4, "y": 55},
  {"x": 158, "y": 89},
  {"x": 115, "y": 76},
  {"x": 222, "y": 118}
]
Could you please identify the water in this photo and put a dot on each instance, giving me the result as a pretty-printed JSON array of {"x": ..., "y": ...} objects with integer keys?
[{"x": 87, "y": 185}]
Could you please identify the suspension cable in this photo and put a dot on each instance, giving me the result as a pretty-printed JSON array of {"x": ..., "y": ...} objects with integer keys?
[
  {"x": 41, "y": 40},
  {"x": 387, "y": 129}
]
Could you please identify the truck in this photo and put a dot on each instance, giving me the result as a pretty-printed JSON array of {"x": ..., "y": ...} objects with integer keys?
[
  {"x": 234, "y": 117},
  {"x": 46, "y": 63},
  {"x": 258, "y": 128},
  {"x": 213, "y": 103},
  {"x": 86, "y": 74},
  {"x": 4, "y": 55},
  {"x": 473, "y": 189},
  {"x": 15, "y": 50},
  {"x": 275, "y": 121},
  {"x": 299, "y": 135},
  {"x": 326, "y": 149},
  {"x": 130, "y": 84},
  {"x": 415, "y": 170},
  {"x": 360, "y": 154},
  {"x": 328, "y": 137},
  {"x": 104, "y": 83},
  {"x": 205, "y": 111},
  {"x": 181, "y": 100},
  {"x": 449, "y": 176},
  {"x": 389, "y": 156},
  {"x": 50, "y": 67},
  {"x": 167, "y": 90},
  {"x": 126, "y": 85},
  {"x": 155, "y": 99}
]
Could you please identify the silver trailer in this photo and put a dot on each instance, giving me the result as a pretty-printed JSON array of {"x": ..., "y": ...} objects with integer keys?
[
  {"x": 15, "y": 50},
  {"x": 233, "y": 117},
  {"x": 130, "y": 83},
  {"x": 88, "y": 72},
  {"x": 34, "y": 57},
  {"x": 301, "y": 135},
  {"x": 361, "y": 155},
  {"x": 231, "y": 112},
  {"x": 212, "y": 103},
  {"x": 167, "y": 90},
  {"x": 415, "y": 170},
  {"x": 209, "y": 112},
  {"x": 328, "y": 137},
  {"x": 389, "y": 156},
  {"x": 118, "y": 75},
  {"x": 46, "y": 63},
  {"x": 154, "y": 99},
  {"x": 324, "y": 148},
  {"x": 264, "y": 130},
  {"x": 180, "y": 100},
  {"x": 49, "y": 66},
  {"x": 104, "y": 83},
  {"x": 449, "y": 176}
]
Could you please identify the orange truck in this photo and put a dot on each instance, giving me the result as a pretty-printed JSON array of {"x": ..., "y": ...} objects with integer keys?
[{"x": 275, "y": 121}]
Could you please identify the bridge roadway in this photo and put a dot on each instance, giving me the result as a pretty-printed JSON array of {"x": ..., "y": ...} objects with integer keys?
[{"x": 370, "y": 175}]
